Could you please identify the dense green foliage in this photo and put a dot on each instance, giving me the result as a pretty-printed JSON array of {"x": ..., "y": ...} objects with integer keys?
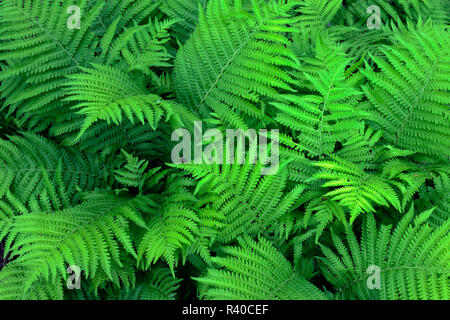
[{"x": 87, "y": 180}]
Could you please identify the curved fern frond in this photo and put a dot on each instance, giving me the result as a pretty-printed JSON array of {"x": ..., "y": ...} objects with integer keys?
[
  {"x": 356, "y": 189},
  {"x": 171, "y": 227},
  {"x": 41, "y": 50},
  {"x": 86, "y": 235},
  {"x": 413, "y": 261},
  {"x": 255, "y": 270},
  {"x": 107, "y": 93}
]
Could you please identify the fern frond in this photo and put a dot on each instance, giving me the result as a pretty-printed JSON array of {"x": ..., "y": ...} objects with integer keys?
[
  {"x": 355, "y": 189},
  {"x": 41, "y": 50},
  {"x": 314, "y": 15},
  {"x": 159, "y": 285},
  {"x": 250, "y": 202},
  {"x": 12, "y": 281},
  {"x": 410, "y": 104},
  {"x": 186, "y": 13},
  {"x": 436, "y": 196},
  {"x": 230, "y": 77},
  {"x": 414, "y": 260},
  {"x": 107, "y": 93},
  {"x": 172, "y": 226},
  {"x": 31, "y": 166},
  {"x": 326, "y": 115},
  {"x": 87, "y": 235},
  {"x": 255, "y": 270}
]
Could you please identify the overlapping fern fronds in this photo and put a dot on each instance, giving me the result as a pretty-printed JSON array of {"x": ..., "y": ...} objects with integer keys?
[
  {"x": 356, "y": 206},
  {"x": 413, "y": 260},
  {"x": 408, "y": 103},
  {"x": 230, "y": 77},
  {"x": 255, "y": 271}
]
